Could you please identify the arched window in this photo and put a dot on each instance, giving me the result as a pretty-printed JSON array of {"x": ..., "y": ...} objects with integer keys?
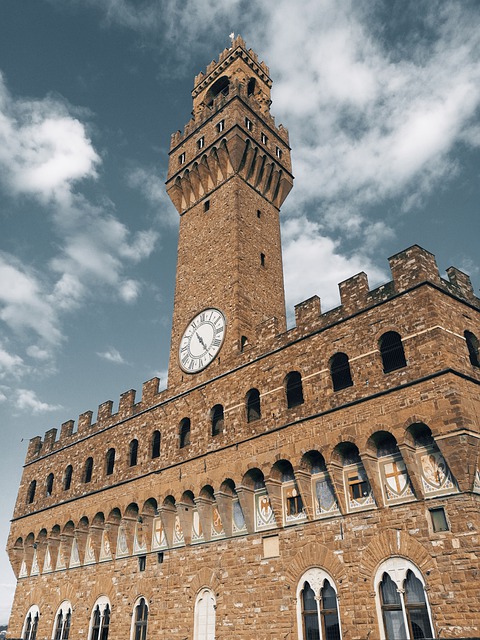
[
  {"x": 29, "y": 631},
  {"x": 49, "y": 484},
  {"x": 87, "y": 474},
  {"x": 156, "y": 439},
  {"x": 222, "y": 85},
  {"x": 62, "y": 621},
  {"x": 110, "y": 462},
  {"x": 473, "y": 348},
  {"x": 217, "y": 419},
  {"x": 391, "y": 350},
  {"x": 67, "y": 478},
  {"x": 100, "y": 620},
  {"x": 204, "y": 616},
  {"x": 31, "y": 491},
  {"x": 402, "y": 603},
  {"x": 293, "y": 389},
  {"x": 184, "y": 433},
  {"x": 133, "y": 454},
  {"x": 317, "y": 607},
  {"x": 340, "y": 371},
  {"x": 140, "y": 620},
  {"x": 253, "y": 405},
  {"x": 251, "y": 87}
]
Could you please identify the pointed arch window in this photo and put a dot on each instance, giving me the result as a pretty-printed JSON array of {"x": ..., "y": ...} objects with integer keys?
[
  {"x": 62, "y": 621},
  {"x": 110, "y": 462},
  {"x": 391, "y": 350},
  {"x": 294, "y": 389},
  {"x": 140, "y": 620},
  {"x": 204, "y": 617},
  {"x": 253, "y": 405},
  {"x": 317, "y": 613},
  {"x": 156, "y": 440},
  {"x": 30, "y": 625},
  {"x": 49, "y": 484},
  {"x": 100, "y": 620},
  {"x": 87, "y": 475},
  {"x": 67, "y": 478},
  {"x": 473, "y": 348},
  {"x": 217, "y": 418},
  {"x": 402, "y": 601},
  {"x": 31, "y": 491},
  {"x": 184, "y": 433},
  {"x": 133, "y": 453},
  {"x": 340, "y": 371}
]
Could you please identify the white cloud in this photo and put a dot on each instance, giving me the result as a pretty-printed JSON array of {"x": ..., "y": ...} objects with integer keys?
[
  {"x": 44, "y": 151},
  {"x": 112, "y": 355},
  {"x": 152, "y": 188},
  {"x": 11, "y": 365},
  {"x": 27, "y": 400},
  {"x": 314, "y": 265}
]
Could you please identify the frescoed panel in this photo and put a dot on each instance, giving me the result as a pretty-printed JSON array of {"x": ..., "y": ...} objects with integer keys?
[
  {"x": 396, "y": 483},
  {"x": 178, "y": 538},
  {"x": 197, "y": 533},
  {"x": 139, "y": 542},
  {"x": 359, "y": 492},
  {"x": 23, "y": 570},
  {"x": 436, "y": 476},
  {"x": 47, "y": 565},
  {"x": 74, "y": 555},
  {"x": 159, "y": 539},
  {"x": 325, "y": 500},
  {"x": 264, "y": 517},
  {"x": 105, "y": 551},
  {"x": 122, "y": 546},
  {"x": 217, "y": 526},
  {"x": 60, "y": 558},
  {"x": 35, "y": 568},
  {"x": 293, "y": 510},
  {"x": 476, "y": 482},
  {"x": 89, "y": 551},
  {"x": 238, "y": 519}
]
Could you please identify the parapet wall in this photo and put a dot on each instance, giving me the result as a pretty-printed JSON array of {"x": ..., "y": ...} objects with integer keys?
[{"x": 409, "y": 268}]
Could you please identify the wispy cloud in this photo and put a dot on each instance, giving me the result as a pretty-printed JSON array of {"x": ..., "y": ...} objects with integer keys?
[
  {"x": 152, "y": 187},
  {"x": 26, "y": 400},
  {"x": 112, "y": 355}
]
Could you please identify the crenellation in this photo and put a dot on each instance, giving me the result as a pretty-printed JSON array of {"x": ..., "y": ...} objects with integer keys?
[
  {"x": 34, "y": 448},
  {"x": 412, "y": 266},
  {"x": 66, "y": 430},
  {"x": 126, "y": 404},
  {"x": 354, "y": 293},
  {"x": 104, "y": 413},
  {"x": 461, "y": 284},
  {"x": 84, "y": 422},
  {"x": 150, "y": 391},
  {"x": 308, "y": 312},
  {"x": 49, "y": 440}
]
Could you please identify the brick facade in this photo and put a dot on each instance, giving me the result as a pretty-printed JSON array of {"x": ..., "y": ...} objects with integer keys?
[{"x": 342, "y": 482}]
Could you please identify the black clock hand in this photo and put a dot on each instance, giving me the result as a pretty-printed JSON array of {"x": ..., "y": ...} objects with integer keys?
[{"x": 200, "y": 339}]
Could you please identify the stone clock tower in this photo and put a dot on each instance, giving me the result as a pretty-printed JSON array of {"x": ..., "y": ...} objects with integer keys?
[{"x": 229, "y": 172}]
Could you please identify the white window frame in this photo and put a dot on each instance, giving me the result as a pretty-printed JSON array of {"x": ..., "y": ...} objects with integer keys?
[
  {"x": 397, "y": 568},
  {"x": 206, "y": 630},
  {"x": 132, "y": 627},
  {"x": 102, "y": 603},
  {"x": 65, "y": 608},
  {"x": 315, "y": 578},
  {"x": 33, "y": 612}
]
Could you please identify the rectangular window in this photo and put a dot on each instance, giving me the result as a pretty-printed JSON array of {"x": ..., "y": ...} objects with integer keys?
[
  {"x": 278, "y": 152},
  {"x": 248, "y": 124},
  {"x": 142, "y": 563},
  {"x": 439, "y": 519},
  {"x": 264, "y": 139},
  {"x": 221, "y": 126},
  {"x": 181, "y": 158},
  {"x": 206, "y": 205},
  {"x": 358, "y": 487},
  {"x": 160, "y": 557},
  {"x": 262, "y": 259},
  {"x": 201, "y": 142}
]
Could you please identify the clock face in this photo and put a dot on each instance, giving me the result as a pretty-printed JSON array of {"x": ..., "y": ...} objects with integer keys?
[{"x": 202, "y": 340}]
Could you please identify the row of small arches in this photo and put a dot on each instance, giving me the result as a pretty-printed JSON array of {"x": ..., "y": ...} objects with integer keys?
[
  {"x": 393, "y": 357},
  {"x": 381, "y": 444}
]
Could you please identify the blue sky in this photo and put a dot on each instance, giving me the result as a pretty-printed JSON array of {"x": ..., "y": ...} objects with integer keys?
[{"x": 381, "y": 100}]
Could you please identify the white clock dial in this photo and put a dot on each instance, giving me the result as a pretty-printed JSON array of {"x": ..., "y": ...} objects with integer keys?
[{"x": 202, "y": 340}]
